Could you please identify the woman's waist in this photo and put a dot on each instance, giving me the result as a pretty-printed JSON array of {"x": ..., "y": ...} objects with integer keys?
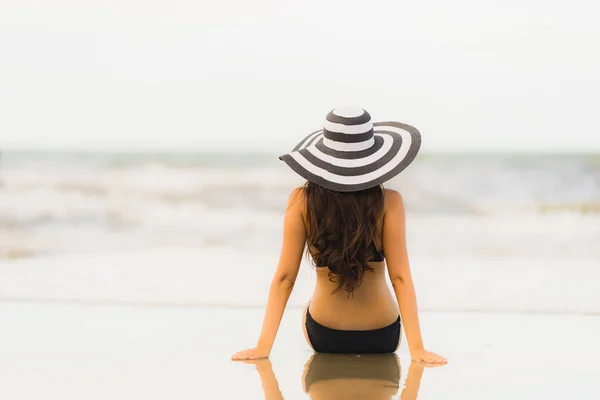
[
  {"x": 363, "y": 297},
  {"x": 365, "y": 309},
  {"x": 371, "y": 283}
]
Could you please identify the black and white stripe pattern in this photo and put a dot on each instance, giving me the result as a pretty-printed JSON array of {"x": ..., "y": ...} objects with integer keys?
[{"x": 352, "y": 153}]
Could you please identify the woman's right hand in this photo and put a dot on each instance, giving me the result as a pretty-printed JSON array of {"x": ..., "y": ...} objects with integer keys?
[
  {"x": 251, "y": 354},
  {"x": 427, "y": 357}
]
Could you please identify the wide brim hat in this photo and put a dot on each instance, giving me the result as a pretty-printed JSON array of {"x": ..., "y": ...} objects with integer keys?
[{"x": 352, "y": 153}]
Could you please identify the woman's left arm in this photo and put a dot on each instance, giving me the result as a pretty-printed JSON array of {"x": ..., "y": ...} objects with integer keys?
[{"x": 294, "y": 239}]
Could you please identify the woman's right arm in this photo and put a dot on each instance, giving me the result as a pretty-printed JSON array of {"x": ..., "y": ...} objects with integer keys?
[
  {"x": 294, "y": 238},
  {"x": 394, "y": 245}
]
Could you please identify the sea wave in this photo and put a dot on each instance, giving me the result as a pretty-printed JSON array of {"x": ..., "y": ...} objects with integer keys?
[{"x": 488, "y": 205}]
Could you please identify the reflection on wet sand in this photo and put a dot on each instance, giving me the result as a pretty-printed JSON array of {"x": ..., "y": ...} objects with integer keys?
[
  {"x": 267, "y": 378},
  {"x": 337, "y": 376},
  {"x": 340, "y": 376}
]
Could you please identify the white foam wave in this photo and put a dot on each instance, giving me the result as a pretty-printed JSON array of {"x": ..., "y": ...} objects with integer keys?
[{"x": 457, "y": 206}]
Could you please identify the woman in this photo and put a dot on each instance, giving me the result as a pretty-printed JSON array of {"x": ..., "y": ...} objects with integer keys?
[{"x": 351, "y": 228}]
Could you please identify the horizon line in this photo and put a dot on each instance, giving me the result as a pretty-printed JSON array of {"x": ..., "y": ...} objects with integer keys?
[{"x": 256, "y": 151}]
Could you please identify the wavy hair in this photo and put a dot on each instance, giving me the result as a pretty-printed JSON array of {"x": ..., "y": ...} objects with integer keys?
[{"x": 341, "y": 230}]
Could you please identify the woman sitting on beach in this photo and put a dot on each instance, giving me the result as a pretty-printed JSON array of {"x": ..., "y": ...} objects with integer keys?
[{"x": 352, "y": 227}]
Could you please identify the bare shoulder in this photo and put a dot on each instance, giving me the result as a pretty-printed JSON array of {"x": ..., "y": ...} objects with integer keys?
[
  {"x": 296, "y": 199},
  {"x": 294, "y": 217},
  {"x": 394, "y": 231},
  {"x": 393, "y": 201},
  {"x": 296, "y": 205}
]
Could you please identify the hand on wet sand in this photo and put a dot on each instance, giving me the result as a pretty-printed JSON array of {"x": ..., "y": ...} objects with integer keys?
[
  {"x": 428, "y": 358},
  {"x": 251, "y": 354}
]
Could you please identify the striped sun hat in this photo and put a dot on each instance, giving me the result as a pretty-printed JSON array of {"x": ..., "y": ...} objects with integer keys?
[{"x": 352, "y": 153}]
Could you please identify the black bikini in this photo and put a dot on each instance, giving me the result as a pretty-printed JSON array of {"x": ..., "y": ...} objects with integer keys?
[
  {"x": 378, "y": 255},
  {"x": 328, "y": 340}
]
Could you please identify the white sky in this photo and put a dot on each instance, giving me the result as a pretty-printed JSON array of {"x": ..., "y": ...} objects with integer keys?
[{"x": 194, "y": 74}]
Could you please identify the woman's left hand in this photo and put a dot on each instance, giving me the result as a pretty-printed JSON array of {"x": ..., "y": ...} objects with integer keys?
[
  {"x": 427, "y": 357},
  {"x": 251, "y": 354}
]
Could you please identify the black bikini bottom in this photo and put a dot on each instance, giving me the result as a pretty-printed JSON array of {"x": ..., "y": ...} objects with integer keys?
[{"x": 327, "y": 340}]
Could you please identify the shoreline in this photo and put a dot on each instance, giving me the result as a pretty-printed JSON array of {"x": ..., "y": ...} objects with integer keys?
[
  {"x": 176, "y": 277},
  {"x": 147, "y": 304}
]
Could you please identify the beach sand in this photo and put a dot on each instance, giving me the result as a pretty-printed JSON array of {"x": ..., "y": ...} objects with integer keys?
[
  {"x": 72, "y": 351},
  {"x": 164, "y": 324}
]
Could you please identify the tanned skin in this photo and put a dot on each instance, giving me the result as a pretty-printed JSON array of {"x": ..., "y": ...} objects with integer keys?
[{"x": 372, "y": 305}]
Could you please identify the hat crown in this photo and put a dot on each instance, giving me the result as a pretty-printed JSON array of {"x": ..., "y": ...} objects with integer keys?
[
  {"x": 348, "y": 125},
  {"x": 348, "y": 112}
]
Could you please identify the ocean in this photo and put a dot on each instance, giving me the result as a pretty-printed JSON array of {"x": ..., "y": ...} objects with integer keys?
[
  {"x": 491, "y": 232},
  {"x": 490, "y": 205}
]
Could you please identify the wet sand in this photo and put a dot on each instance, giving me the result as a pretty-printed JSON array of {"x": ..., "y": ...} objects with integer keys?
[{"x": 72, "y": 351}]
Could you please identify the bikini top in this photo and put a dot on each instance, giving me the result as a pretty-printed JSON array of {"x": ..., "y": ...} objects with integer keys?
[{"x": 376, "y": 254}]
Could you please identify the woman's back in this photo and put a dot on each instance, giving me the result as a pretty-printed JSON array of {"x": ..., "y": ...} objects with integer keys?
[{"x": 371, "y": 304}]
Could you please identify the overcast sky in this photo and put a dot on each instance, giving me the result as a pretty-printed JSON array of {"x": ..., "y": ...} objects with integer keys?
[{"x": 197, "y": 74}]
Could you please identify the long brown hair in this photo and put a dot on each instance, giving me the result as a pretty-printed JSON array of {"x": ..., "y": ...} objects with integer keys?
[{"x": 341, "y": 230}]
